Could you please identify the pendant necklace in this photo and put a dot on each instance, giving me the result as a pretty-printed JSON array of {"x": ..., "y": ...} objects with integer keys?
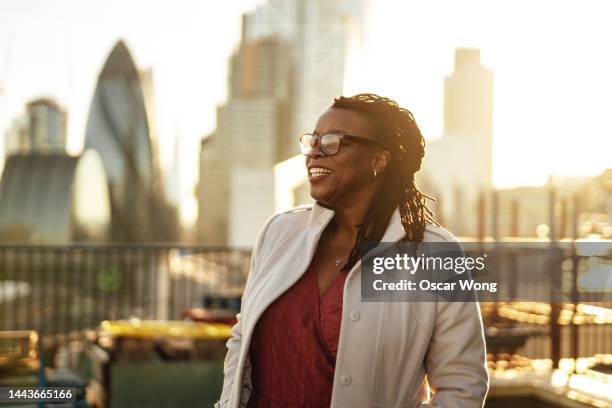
[{"x": 337, "y": 260}]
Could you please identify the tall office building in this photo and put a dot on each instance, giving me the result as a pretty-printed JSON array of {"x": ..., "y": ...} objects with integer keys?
[
  {"x": 46, "y": 125},
  {"x": 459, "y": 166},
  {"x": 263, "y": 69},
  {"x": 41, "y": 129},
  {"x": 120, "y": 129},
  {"x": 236, "y": 187},
  {"x": 173, "y": 175},
  {"x": 468, "y": 96},
  {"x": 285, "y": 73},
  {"x": 317, "y": 31},
  {"x": 321, "y": 47},
  {"x": 274, "y": 18},
  {"x": 236, "y": 162},
  {"x": 16, "y": 137}
]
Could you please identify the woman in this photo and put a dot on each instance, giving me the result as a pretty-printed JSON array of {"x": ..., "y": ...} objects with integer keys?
[{"x": 303, "y": 337}]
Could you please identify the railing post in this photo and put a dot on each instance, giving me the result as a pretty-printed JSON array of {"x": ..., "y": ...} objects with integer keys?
[
  {"x": 495, "y": 215},
  {"x": 563, "y": 220},
  {"x": 574, "y": 335},
  {"x": 481, "y": 217},
  {"x": 514, "y": 218},
  {"x": 163, "y": 287},
  {"x": 459, "y": 221},
  {"x": 555, "y": 330}
]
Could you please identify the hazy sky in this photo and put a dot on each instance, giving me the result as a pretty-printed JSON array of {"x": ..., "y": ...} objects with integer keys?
[{"x": 552, "y": 62}]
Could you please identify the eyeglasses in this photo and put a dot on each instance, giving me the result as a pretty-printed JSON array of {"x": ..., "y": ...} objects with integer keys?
[{"x": 329, "y": 143}]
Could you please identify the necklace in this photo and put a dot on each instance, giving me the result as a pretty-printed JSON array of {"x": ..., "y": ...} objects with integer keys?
[{"x": 337, "y": 260}]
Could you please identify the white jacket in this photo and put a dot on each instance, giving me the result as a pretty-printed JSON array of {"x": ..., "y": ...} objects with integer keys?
[{"x": 385, "y": 348}]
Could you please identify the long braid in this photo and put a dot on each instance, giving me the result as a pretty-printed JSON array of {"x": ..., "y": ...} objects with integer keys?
[{"x": 397, "y": 132}]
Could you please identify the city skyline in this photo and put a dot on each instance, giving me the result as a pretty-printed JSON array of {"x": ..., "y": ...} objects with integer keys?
[
  {"x": 273, "y": 93},
  {"x": 556, "y": 104}
]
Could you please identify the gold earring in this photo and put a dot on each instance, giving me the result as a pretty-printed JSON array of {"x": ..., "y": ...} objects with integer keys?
[{"x": 375, "y": 173}]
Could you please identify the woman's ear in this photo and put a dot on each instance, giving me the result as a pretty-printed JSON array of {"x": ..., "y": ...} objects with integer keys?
[{"x": 381, "y": 160}]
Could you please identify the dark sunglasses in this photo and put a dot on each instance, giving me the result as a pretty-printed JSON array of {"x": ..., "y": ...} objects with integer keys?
[{"x": 329, "y": 143}]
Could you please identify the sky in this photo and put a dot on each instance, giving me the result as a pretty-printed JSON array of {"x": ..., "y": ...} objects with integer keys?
[{"x": 552, "y": 62}]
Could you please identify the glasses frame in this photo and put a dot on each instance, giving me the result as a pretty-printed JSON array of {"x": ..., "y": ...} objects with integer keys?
[{"x": 341, "y": 136}]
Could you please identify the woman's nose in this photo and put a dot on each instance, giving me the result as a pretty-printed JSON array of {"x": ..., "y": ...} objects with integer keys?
[{"x": 315, "y": 151}]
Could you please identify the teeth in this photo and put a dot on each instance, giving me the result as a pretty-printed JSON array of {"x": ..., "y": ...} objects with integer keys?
[{"x": 319, "y": 171}]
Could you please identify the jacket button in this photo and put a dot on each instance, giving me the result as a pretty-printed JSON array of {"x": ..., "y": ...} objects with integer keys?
[
  {"x": 354, "y": 315},
  {"x": 345, "y": 379}
]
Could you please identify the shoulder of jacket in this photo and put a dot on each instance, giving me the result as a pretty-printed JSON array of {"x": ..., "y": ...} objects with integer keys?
[
  {"x": 292, "y": 215},
  {"x": 437, "y": 234},
  {"x": 295, "y": 213},
  {"x": 297, "y": 209}
]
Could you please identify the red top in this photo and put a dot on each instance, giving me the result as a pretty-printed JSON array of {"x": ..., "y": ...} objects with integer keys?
[{"x": 294, "y": 345}]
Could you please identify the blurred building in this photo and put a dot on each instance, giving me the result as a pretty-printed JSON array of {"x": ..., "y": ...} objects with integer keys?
[
  {"x": 46, "y": 125},
  {"x": 239, "y": 157},
  {"x": 291, "y": 186},
  {"x": 41, "y": 129},
  {"x": 16, "y": 137},
  {"x": 321, "y": 48},
  {"x": 274, "y": 18},
  {"x": 602, "y": 187},
  {"x": 287, "y": 70},
  {"x": 459, "y": 166},
  {"x": 584, "y": 203},
  {"x": 318, "y": 33},
  {"x": 468, "y": 96},
  {"x": 173, "y": 175},
  {"x": 121, "y": 128},
  {"x": 53, "y": 198},
  {"x": 262, "y": 70}
]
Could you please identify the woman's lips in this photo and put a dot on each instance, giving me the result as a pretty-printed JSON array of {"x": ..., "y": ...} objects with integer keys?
[
  {"x": 318, "y": 178},
  {"x": 318, "y": 174}
]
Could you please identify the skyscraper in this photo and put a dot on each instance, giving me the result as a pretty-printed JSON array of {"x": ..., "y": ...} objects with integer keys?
[
  {"x": 236, "y": 171},
  {"x": 263, "y": 68},
  {"x": 286, "y": 71},
  {"x": 16, "y": 137},
  {"x": 41, "y": 129},
  {"x": 236, "y": 162},
  {"x": 468, "y": 96},
  {"x": 460, "y": 164},
  {"x": 317, "y": 31},
  {"x": 321, "y": 47},
  {"x": 46, "y": 126},
  {"x": 119, "y": 128}
]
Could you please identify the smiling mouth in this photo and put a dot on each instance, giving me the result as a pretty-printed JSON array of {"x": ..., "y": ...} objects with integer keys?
[{"x": 318, "y": 173}]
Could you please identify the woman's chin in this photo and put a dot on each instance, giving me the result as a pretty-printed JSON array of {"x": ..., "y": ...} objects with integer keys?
[{"x": 320, "y": 195}]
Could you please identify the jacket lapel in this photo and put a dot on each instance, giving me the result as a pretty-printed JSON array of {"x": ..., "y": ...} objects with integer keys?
[
  {"x": 292, "y": 266},
  {"x": 296, "y": 261}
]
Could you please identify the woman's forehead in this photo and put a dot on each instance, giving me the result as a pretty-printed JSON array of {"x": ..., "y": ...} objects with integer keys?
[{"x": 343, "y": 120}]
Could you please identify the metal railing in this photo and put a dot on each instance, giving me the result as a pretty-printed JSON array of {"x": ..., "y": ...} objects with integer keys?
[
  {"x": 63, "y": 289},
  {"x": 57, "y": 290}
]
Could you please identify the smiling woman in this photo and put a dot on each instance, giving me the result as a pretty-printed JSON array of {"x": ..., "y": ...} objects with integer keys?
[{"x": 304, "y": 338}]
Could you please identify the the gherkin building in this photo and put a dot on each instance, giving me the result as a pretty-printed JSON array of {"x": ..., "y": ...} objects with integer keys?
[{"x": 121, "y": 128}]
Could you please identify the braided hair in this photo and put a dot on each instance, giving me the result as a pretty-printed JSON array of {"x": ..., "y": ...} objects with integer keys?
[{"x": 396, "y": 131}]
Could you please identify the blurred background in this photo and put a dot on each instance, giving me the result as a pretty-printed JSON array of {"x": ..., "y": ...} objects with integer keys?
[{"x": 143, "y": 145}]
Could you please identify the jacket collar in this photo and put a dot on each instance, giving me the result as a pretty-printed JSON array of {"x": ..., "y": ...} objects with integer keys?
[{"x": 320, "y": 216}]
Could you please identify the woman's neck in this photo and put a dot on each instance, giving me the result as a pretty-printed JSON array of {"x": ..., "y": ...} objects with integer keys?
[
  {"x": 348, "y": 218},
  {"x": 349, "y": 214}
]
